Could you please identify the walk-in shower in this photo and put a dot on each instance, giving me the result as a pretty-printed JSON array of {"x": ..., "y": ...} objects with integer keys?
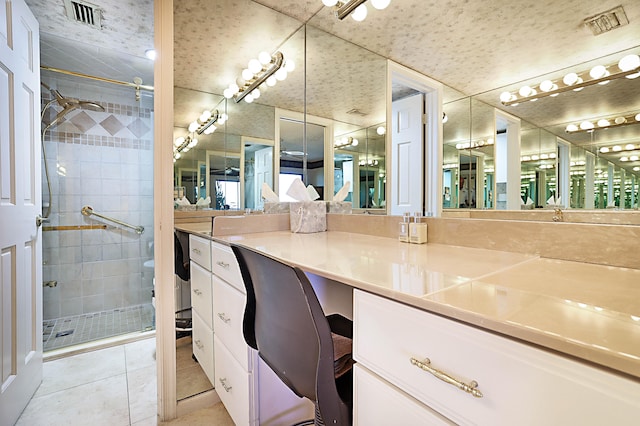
[{"x": 98, "y": 156}]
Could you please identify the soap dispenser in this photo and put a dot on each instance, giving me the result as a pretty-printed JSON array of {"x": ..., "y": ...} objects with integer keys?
[
  {"x": 403, "y": 228},
  {"x": 417, "y": 230}
]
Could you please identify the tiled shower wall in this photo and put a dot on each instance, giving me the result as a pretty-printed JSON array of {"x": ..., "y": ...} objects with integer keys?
[{"x": 103, "y": 159}]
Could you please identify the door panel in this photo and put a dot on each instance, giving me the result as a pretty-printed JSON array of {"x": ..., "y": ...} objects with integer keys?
[{"x": 20, "y": 204}]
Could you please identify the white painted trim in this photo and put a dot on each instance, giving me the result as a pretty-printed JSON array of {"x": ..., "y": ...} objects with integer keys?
[
  {"x": 512, "y": 158},
  {"x": 433, "y": 149},
  {"x": 163, "y": 210}
]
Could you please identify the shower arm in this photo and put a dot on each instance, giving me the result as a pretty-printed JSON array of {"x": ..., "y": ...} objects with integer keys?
[{"x": 88, "y": 211}]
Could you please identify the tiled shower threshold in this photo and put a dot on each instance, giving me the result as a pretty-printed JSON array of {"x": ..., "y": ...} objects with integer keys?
[{"x": 68, "y": 332}]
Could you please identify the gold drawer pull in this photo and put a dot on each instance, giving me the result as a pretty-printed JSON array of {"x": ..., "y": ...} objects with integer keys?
[
  {"x": 196, "y": 251},
  {"x": 425, "y": 365},
  {"x": 223, "y": 264},
  {"x": 224, "y": 318},
  {"x": 223, "y": 382},
  {"x": 197, "y": 292},
  {"x": 199, "y": 344}
]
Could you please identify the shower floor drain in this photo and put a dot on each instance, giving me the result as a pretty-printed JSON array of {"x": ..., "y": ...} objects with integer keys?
[{"x": 64, "y": 333}]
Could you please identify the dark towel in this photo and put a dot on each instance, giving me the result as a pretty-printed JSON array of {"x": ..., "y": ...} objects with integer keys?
[{"x": 342, "y": 360}]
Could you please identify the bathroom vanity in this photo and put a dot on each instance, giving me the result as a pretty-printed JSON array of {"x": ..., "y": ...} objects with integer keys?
[{"x": 447, "y": 334}]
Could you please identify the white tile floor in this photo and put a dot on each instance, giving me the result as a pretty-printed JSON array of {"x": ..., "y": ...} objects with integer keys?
[{"x": 114, "y": 386}]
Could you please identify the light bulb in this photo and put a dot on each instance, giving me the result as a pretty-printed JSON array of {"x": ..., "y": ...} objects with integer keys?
[
  {"x": 629, "y": 147},
  {"x": 381, "y": 130},
  {"x": 329, "y": 3},
  {"x": 629, "y": 62},
  {"x": 179, "y": 141},
  {"x": 205, "y": 116},
  {"x": 234, "y": 88},
  {"x": 249, "y": 98},
  {"x": 151, "y": 54},
  {"x": 193, "y": 143},
  {"x": 578, "y": 81},
  {"x": 546, "y": 86},
  {"x": 354, "y": 142},
  {"x": 634, "y": 158},
  {"x": 193, "y": 126},
  {"x": 360, "y": 13},
  {"x": 620, "y": 120},
  {"x": 506, "y": 97},
  {"x": 586, "y": 125},
  {"x": 598, "y": 71},
  {"x": 223, "y": 118},
  {"x": 603, "y": 123},
  {"x": 570, "y": 79},
  {"x": 289, "y": 65},
  {"x": 228, "y": 93},
  {"x": 624, "y": 158},
  {"x": 247, "y": 74},
  {"x": 525, "y": 91},
  {"x": 535, "y": 157},
  {"x": 637, "y": 117},
  {"x": 281, "y": 74},
  {"x": 255, "y": 93},
  {"x": 572, "y": 128},
  {"x": 380, "y": 4},
  {"x": 271, "y": 81},
  {"x": 254, "y": 66},
  {"x": 616, "y": 148},
  {"x": 264, "y": 58},
  {"x": 445, "y": 118},
  {"x": 210, "y": 130},
  {"x": 178, "y": 155}
]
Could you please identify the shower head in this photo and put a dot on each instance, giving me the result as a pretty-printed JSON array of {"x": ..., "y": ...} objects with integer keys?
[{"x": 67, "y": 104}]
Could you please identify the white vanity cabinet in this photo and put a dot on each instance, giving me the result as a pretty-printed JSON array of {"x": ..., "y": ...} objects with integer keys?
[
  {"x": 249, "y": 390},
  {"x": 516, "y": 383},
  {"x": 201, "y": 304}
]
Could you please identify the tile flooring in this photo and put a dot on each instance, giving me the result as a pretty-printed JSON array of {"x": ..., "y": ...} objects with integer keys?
[
  {"x": 114, "y": 386},
  {"x": 77, "y": 329}
]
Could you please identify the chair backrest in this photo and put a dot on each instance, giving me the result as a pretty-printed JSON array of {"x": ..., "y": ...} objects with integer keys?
[{"x": 284, "y": 321}]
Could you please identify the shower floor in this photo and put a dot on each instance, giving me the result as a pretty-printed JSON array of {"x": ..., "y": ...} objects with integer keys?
[{"x": 67, "y": 331}]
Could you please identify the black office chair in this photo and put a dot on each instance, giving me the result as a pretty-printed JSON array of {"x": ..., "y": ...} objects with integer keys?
[{"x": 285, "y": 323}]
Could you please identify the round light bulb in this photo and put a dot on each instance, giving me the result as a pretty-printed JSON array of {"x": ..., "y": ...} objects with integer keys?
[
  {"x": 445, "y": 118},
  {"x": 637, "y": 117},
  {"x": 490, "y": 141},
  {"x": 578, "y": 81},
  {"x": 249, "y": 98},
  {"x": 264, "y": 58},
  {"x": 598, "y": 71},
  {"x": 535, "y": 157},
  {"x": 603, "y": 123},
  {"x": 193, "y": 126},
  {"x": 616, "y": 148},
  {"x": 255, "y": 93},
  {"x": 151, "y": 54},
  {"x": 247, "y": 74},
  {"x": 281, "y": 74},
  {"x": 205, "y": 116},
  {"x": 234, "y": 88},
  {"x": 254, "y": 66},
  {"x": 506, "y": 97},
  {"x": 354, "y": 142},
  {"x": 546, "y": 86},
  {"x": 228, "y": 93},
  {"x": 179, "y": 141},
  {"x": 629, "y": 147},
  {"x": 629, "y": 63},
  {"x": 525, "y": 91},
  {"x": 381, "y": 130},
  {"x": 193, "y": 143},
  {"x": 210, "y": 130},
  {"x": 380, "y": 4},
  {"x": 178, "y": 155},
  {"x": 634, "y": 158},
  {"x": 620, "y": 120},
  {"x": 271, "y": 81},
  {"x": 586, "y": 125},
  {"x": 636, "y": 169},
  {"x": 570, "y": 79},
  {"x": 572, "y": 128},
  {"x": 360, "y": 13},
  {"x": 289, "y": 65},
  {"x": 329, "y": 3},
  {"x": 223, "y": 118},
  {"x": 624, "y": 158}
]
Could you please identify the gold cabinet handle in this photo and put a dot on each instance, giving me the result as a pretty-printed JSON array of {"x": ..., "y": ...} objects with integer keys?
[
  {"x": 223, "y": 264},
  {"x": 223, "y": 317},
  {"x": 197, "y": 292},
  {"x": 196, "y": 251},
  {"x": 199, "y": 344},
  {"x": 425, "y": 365},
  {"x": 223, "y": 382}
]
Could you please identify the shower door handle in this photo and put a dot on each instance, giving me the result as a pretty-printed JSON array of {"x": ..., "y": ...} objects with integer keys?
[{"x": 40, "y": 220}]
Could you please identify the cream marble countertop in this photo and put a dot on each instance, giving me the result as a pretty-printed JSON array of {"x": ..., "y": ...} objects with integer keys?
[{"x": 591, "y": 312}]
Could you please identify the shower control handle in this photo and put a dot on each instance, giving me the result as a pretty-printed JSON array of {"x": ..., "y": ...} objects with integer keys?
[{"x": 40, "y": 220}]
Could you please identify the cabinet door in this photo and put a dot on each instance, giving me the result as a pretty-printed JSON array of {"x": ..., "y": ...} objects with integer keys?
[
  {"x": 228, "y": 314},
  {"x": 202, "y": 337},
  {"x": 234, "y": 385},
  {"x": 200, "y": 251},
  {"x": 376, "y": 402},
  {"x": 202, "y": 293}
]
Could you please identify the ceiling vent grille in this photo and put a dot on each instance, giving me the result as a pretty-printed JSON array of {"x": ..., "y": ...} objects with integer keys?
[
  {"x": 607, "y": 21},
  {"x": 356, "y": 111},
  {"x": 83, "y": 12}
]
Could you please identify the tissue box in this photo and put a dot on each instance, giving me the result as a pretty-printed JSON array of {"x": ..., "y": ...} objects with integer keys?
[
  {"x": 341, "y": 207},
  {"x": 308, "y": 216},
  {"x": 270, "y": 207}
]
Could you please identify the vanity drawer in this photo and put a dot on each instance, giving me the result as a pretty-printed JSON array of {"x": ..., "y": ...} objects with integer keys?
[
  {"x": 202, "y": 337},
  {"x": 520, "y": 384},
  {"x": 376, "y": 402},
  {"x": 201, "y": 293},
  {"x": 228, "y": 314},
  {"x": 200, "y": 251},
  {"x": 225, "y": 266},
  {"x": 234, "y": 385}
]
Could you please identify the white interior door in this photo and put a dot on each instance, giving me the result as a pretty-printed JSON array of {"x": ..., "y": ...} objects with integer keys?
[
  {"x": 407, "y": 147},
  {"x": 20, "y": 204},
  {"x": 263, "y": 173}
]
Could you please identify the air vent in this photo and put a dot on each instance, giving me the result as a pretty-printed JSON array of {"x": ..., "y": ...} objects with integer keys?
[
  {"x": 83, "y": 12},
  {"x": 607, "y": 21},
  {"x": 356, "y": 111}
]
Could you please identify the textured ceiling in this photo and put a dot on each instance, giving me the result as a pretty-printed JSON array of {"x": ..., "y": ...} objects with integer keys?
[{"x": 475, "y": 47}]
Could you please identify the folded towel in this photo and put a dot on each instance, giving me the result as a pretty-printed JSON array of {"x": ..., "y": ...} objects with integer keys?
[{"x": 342, "y": 360}]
